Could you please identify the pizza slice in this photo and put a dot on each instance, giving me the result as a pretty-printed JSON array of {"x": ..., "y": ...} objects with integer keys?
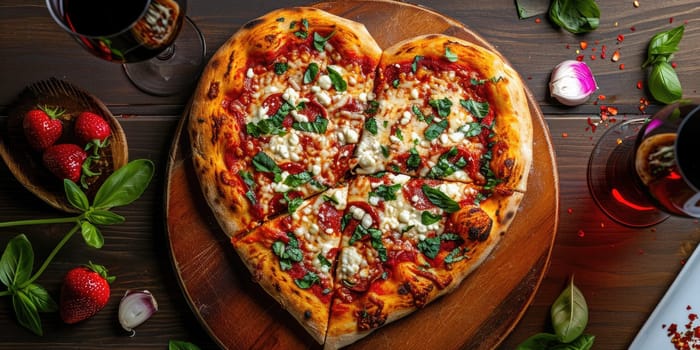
[
  {"x": 293, "y": 258},
  {"x": 448, "y": 109},
  {"x": 278, "y": 113},
  {"x": 407, "y": 241}
]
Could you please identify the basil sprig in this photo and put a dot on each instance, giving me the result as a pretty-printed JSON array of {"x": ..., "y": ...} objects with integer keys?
[
  {"x": 569, "y": 315},
  {"x": 664, "y": 84},
  {"x": 29, "y": 298},
  {"x": 440, "y": 199},
  {"x": 288, "y": 253},
  {"x": 576, "y": 16}
]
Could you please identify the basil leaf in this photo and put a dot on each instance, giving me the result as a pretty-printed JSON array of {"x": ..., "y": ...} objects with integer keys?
[
  {"x": 124, "y": 185},
  {"x": 576, "y": 16},
  {"x": 471, "y": 129},
  {"x": 76, "y": 197},
  {"x": 414, "y": 65},
  {"x": 664, "y": 84},
  {"x": 297, "y": 180},
  {"x": 413, "y": 162},
  {"x": 281, "y": 67},
  {"x": 320, "y": 42},
  {"x": 434, "y": 130},
  {"x": 371, "y": 126},
  {"x": 395, "y": 83},
  {"x": 26, "y": 312},
  {"x": 430, "y": 247},
  {"x": 387, "y": 193},
  {"x": 40, "y": 298},
  {"x": 428, "y": 218},
  {"x": 531, "y": 8},
  {"x": 666, "y": 43},
  {"x": 440, "y": 199},
  {"x": 292, "y": 203},
  {"x": 104, "y": 217},
  {"x": 307, "y": 281},
  {"x": 17, "y": 261},
  {"x": 288, "y": 253},
  {"x": 322, "y": 259},
  {"x": 442, "y": 106},
  {"x": 318, "y": 126},
  {"x": 455, "y": 255},
  {"x": 263, "y": 163},
  {"x": 569, "y": 314},
  {"x": 449, "y": 55},
  {"x": 91, "y": 235},
  {"x": 338, "y": 83},
  {"x": 539, "y": 341},
  {"x": 310, "y": 73},
  {"x": 478, "y": 109},
  {"x": 181, "y": 345},
  {"x": 376, "y": 241},
  {"x": 250, "y": 183}
]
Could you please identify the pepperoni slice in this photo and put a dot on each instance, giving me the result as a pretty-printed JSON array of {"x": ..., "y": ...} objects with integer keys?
[
  {"x": 329, "y": 217},
  {"x": 413, "y": 193},
  {"x": 313, "y": 110}
]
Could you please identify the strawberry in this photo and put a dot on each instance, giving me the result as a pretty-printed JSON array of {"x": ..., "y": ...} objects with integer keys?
[
  {"x": 42, "y": 127},
  {"x": 85, "y": 291},
  {"x": 65, "y": 160},
  {"x": 90, "y": 127}
]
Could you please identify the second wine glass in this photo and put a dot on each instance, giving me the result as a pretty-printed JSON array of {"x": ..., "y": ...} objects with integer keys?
[
  {"x": 162, "y": 51},
  {"x": 642, "y": 171}
]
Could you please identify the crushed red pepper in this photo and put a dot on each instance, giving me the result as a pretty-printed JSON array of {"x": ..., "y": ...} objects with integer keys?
[{"x": 686, "y": 337}]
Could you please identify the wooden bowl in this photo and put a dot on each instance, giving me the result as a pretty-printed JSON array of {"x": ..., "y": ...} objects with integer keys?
[{"x": 25, "y": 163}]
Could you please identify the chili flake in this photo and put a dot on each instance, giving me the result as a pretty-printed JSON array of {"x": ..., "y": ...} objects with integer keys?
[
  {"x": 640, "y": 85},
  {"x": 538, "y": 20},
  {"x": 616, "y": 56},
  {"x": 686, "y": 337},
  {"x": 620, "y": 38},
  {"x": 581, "y": 233},
  {"x": 583, "y": 44},
  {"x": 622, "y": 66}
]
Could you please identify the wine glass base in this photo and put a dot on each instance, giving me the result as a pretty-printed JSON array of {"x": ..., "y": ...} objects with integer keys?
[
  {"x": 611, "y": 178},
  {"x": 172, "y": 74}
]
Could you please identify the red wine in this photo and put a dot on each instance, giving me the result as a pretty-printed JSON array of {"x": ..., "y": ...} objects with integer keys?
[
  {"x": 666, "y": 160},
  {"x": 121, "y": 31},
  {"x": 102, "y": 18}
]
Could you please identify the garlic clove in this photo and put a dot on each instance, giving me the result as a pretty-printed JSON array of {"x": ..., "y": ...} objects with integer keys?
[
  {"x": 135, "y": 308},
  {"x": 572, "y": 83}
]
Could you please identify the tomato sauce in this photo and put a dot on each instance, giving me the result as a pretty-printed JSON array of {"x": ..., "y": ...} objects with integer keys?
[{"x": 413, "y": 193}]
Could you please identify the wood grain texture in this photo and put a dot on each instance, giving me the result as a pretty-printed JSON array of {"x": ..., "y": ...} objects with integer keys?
[{"x": 622, "y": 272}]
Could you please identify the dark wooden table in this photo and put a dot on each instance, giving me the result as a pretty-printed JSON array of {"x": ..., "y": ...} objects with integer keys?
[{"x": 622, "y": 272}]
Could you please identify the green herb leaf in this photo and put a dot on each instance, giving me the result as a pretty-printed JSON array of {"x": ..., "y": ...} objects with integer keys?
[
  {"x": 666, "y": 43},
  {"x": 442, "y": 106},
  {"x": 569, "y": 314},
  {"x": 103, "y": 217},
  {"x": 288, "y": 253},
  {"x": 310, "y": 73},
  {"x": 320, "y": 42},
  {"x": 376, "y": 241},
  {"x": 292, "y": 203},
  {"x": 250, "y": 183},
  {"x": 307, "y": 281},
  {"x": 125, "y": 185},
  {"x": 430, "y": 247},
  {"x": 318, "y": 126},
  {"x": 428, "y": 218},
  {"x": 576, "y": 16},
  {"x": 263, "y": 163},
  {"x": 371, "y": 126},
  {"x": 471, "y": 129},
  {"x": 530, "y": 8},
  {"x": 664, "y": 84},
  {"x": 478, "y": 109},
  {"x": 17, "y": 261},
  {"x": 539, "y": 341},
  {"x": 449, "y": 55},
  {"x": 322, "y": 259},
  {"x": 181, "y": 345},
  {"x": 281, "y": 67},
  {"x": 440, "y": 199},
  {"x": 338, "y": 83},
  {"x": 40, "y": 298},
  {"x": 414, "y": 65},
  {"x": 296, "y": 180},
  {"x": 27, "y": 313},
  {"x": 413, "y": 162},
  {"x": 372, "y": 108},
  {"x": 387, "y": 193},
  {"x": 76, "y": 197},
  {"x": 434, "y": 130},
  {"x": 91, "y": 235}
]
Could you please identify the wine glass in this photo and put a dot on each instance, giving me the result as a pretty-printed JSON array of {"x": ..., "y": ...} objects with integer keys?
[
  {"x": 162, "y": 50},
  {"x": 642, "y": 171}
]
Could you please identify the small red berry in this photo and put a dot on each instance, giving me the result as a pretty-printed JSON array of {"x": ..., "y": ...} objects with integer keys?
[
  {"x": 85, "y": 291},
  {"x": 65, "y": 160},
  {"x": 90, "y": 127},
  {"x": 41, "y": 126}
]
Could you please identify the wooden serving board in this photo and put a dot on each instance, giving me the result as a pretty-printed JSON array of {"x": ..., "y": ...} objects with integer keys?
[{"x": 238, "y": 314}]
